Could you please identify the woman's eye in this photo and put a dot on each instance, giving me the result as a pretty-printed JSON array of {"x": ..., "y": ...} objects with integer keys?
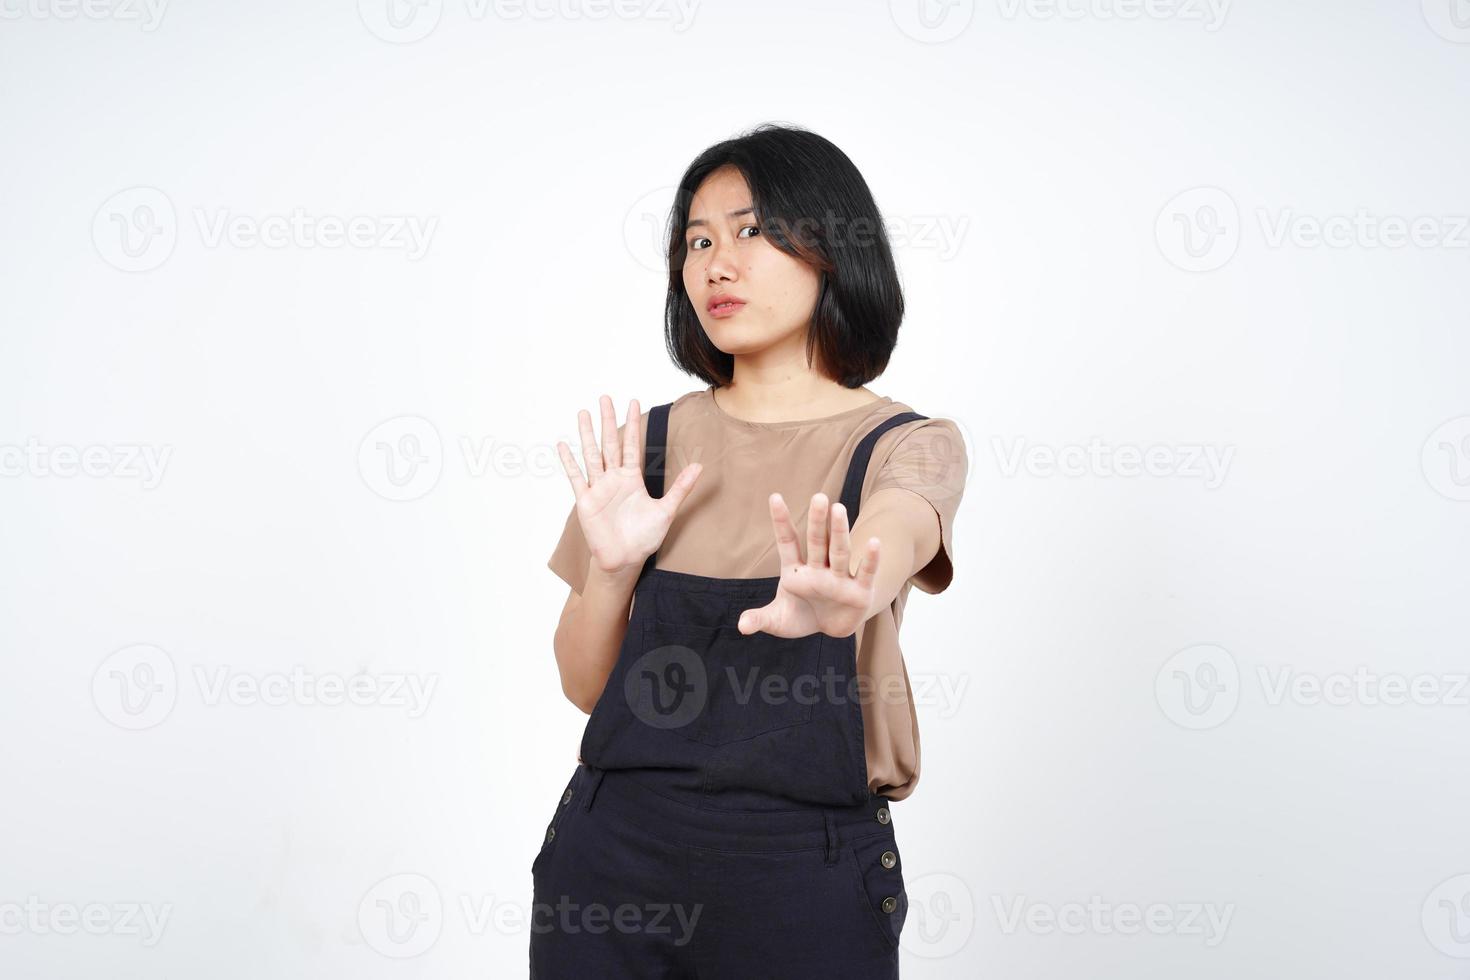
[{"x": 695, "y": 246}]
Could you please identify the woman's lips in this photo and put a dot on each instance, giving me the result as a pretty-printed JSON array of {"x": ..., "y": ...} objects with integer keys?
[{"x": 726, "y": 309}]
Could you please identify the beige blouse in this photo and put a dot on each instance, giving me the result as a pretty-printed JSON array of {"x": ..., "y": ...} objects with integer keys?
[{"x": 723, "y": 529}]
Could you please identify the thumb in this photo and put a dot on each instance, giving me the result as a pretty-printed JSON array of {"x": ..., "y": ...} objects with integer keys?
[
  {"x": 675, "y": 494},
  {"x": 752, "y": 621}
]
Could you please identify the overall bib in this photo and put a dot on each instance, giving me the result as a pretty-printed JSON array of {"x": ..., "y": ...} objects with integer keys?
[{"x": 734, "y": 835}]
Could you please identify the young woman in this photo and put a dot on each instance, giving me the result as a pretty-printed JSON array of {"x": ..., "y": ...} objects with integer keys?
[{"x": 751, "y": 725}]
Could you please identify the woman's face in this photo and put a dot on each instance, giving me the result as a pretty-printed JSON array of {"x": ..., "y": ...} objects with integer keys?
[{"x": 727, "y": 255}]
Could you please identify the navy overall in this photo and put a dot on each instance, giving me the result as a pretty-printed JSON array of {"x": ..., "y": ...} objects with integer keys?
[{"x": 734, "y": 835}]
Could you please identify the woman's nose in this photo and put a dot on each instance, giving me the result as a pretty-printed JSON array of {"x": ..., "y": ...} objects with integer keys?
[{"x": 719, "y": 268}]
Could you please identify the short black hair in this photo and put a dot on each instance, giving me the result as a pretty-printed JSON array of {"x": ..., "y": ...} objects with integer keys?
[{"x": 812, "y": 203}]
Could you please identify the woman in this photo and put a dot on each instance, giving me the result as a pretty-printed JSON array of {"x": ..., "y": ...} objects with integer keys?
[{"x": 751, "y": 724}]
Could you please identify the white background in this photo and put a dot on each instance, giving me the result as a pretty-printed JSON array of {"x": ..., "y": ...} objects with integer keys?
[{"x": 1061, "y": 292}]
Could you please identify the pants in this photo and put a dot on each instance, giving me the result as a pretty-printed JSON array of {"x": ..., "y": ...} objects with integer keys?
[{"x": 630, "y": 883}]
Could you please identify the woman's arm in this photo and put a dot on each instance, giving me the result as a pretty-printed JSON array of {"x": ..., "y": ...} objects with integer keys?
[
  {"x": 844, "y": 576},
  {"x": 907, "y": 528},
  {"x": 622, "y": 525},
  {"x": 590, "y": 632}
]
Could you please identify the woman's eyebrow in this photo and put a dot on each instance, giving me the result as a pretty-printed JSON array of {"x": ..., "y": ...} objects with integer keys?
[{"x": 732, "y": 214}]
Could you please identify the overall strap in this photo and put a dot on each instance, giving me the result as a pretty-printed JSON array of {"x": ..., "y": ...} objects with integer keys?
[
  {"x": 852, "y": 487},
  {"x": 655, "y": 456}
]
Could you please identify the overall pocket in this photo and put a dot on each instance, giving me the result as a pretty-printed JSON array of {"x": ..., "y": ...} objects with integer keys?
[
  {"x": 880, "y": 882},
  {"x": 548, "y": 839},
  {"x": 722, "y": 686}
]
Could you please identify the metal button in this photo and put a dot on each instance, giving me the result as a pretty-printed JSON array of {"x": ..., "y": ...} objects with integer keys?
[
  {"x": 550, "y": 834},
  {"x": 890, "y": 903},
  {"x": 566, "y": 797},
  {"x": 889, "y": 859},
  {"x": 883, "y": 814}
]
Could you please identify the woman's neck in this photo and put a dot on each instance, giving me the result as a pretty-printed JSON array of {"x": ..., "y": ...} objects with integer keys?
[{"x": 787, "y": 398}]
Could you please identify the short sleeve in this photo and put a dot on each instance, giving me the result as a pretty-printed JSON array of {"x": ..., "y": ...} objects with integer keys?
[
  {"x": 569, "y": 560},
  {"x": 930, "y": 460}
]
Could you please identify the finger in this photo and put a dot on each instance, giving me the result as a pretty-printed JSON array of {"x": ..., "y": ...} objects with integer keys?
[
  {"x": 868, "y": 568},
  {"x": 574, "y": 472},
  {"x": 840, "y": 550},
  {"x": 674, "y": 495},
  {"x": 590, "y": 456},
  {"x": 753, "y": 620},
  {"x": 786, "y": 541},
  {"x": 612, "y": 450},
  {"x": 816, "y": 531},
  {"x": 632, "y": 443}
]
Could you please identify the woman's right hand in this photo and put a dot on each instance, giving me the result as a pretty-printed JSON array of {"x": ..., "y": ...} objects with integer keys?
[{"x": 622, "y": 524}]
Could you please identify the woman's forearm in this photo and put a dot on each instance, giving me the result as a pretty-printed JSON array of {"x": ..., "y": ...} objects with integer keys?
[{"x": 588, "y": 638}]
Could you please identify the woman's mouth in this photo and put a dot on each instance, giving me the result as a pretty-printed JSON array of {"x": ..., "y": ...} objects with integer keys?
[{"x": 725, "y": 307}]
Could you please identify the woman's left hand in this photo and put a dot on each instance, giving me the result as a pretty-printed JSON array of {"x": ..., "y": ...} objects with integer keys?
[{"x": 818, "y": 593}]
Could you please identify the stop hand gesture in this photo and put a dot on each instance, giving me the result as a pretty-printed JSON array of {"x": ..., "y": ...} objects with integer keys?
[
  {"x": 818, "y": 593},
  {"x": 623, "y": 525}
]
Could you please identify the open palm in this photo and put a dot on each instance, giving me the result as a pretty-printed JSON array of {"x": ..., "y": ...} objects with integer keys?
[
  {"x": 817, "y": 593},
  {"x": 623, "y": 525}
]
